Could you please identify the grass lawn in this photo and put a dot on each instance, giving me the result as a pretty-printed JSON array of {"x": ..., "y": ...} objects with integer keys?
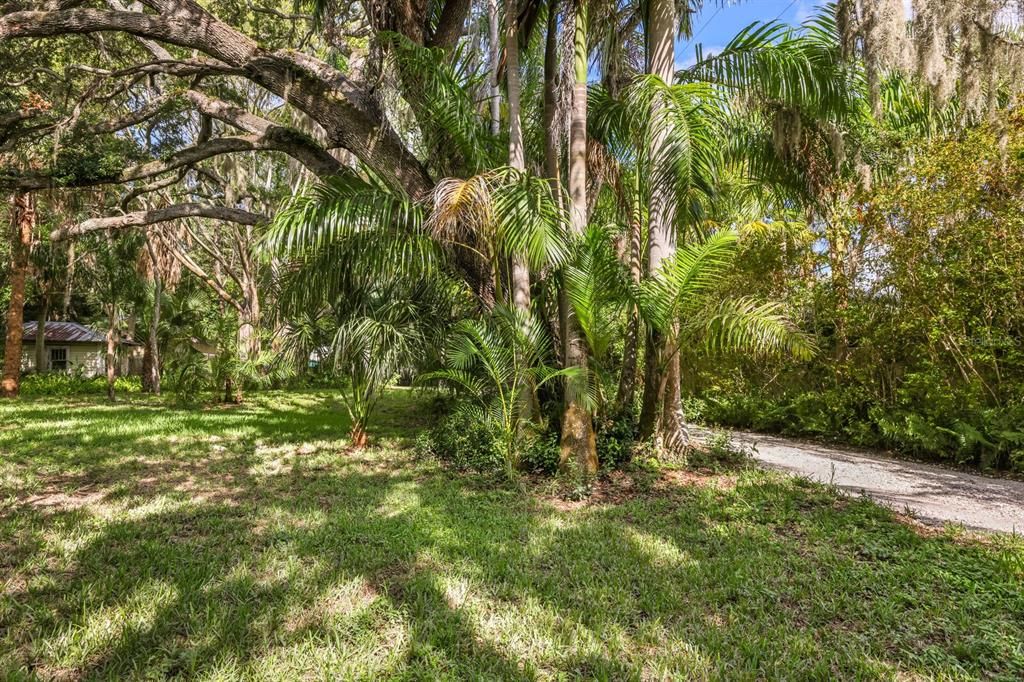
[{"x": 144, "y": 541}]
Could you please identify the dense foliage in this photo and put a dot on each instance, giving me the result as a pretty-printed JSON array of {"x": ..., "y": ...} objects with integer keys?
[
  {"x": 528, "y": 205},
  {"x": 932, "y": 362}
]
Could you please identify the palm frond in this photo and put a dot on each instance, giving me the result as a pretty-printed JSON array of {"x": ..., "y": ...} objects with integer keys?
[
  {"x": 338, "y": 208},
  {"x": 686, "y": 278},
  {"x": 745, "y": 324},
  {"x": 779, "y": 63},
  {"x": 447, "y": 115},
  {"x": 528, "y": 219}
]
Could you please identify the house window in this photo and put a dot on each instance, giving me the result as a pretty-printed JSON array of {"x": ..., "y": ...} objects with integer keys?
[{"x": 58, "y": 359}]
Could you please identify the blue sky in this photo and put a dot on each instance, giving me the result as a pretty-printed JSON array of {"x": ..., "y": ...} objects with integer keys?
[{"x": 717, "y": 24}]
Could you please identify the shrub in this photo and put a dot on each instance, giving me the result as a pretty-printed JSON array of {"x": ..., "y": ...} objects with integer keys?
[
  {"x": 463, "y": 442},
  {"x": 718, "y": 453},
  {"x": 616, "y": 439},
  {"x": 62, "y": 384},
  {"x": 923, "y": 419},
  {"x": 541, "y": 454},
  {"x": 190, "y": 378}
]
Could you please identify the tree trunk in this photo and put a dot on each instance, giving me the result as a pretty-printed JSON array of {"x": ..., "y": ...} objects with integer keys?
[
  {"x": 495, "y": 57},
  {"x": 627, "y": 379},
  {"x": 663, "y": 367},
  {"x": 551, "y": 142},
  {"x": 649, "y": 413},
  {"x": 673, "y": 425},
  {"x": 44, "y": 310},
  {"x": 579, "y": 443},
  {"x": 68, "y": 283},
  {"x": 111, "y": 351},
  {"x": 520, "y": 271},
  {"x": 516, "y": 151},
  {"x": 357, "y": 436},
  {"x": 151, "y": 353},
  {"x": 552, "y": 150},
  {"x": 23, "y": 220}
]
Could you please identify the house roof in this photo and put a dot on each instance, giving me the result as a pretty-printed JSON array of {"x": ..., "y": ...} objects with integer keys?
[{"x": 66, "y": 332}]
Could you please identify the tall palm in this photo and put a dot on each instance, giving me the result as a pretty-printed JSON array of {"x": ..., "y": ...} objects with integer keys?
[
  {"x": 668, "y": 141},
  {"x": 579, "y": 443},
  {"x": 490, "y": 361},
  {"x": 777, "y": 67},
  {"x": 662, "y": 380}
]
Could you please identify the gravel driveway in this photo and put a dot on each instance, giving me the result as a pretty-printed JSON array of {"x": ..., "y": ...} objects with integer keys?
[{"x": 934, "y": 494}]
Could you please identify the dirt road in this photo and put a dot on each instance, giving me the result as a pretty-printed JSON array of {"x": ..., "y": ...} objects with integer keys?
[{"x": 934, "y": 494}]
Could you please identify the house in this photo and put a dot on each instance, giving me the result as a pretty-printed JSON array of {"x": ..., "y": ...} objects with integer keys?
[{"x": 71, "y": 347}]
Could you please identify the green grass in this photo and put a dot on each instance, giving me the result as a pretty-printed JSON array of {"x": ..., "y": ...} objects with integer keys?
[{"x": 143, "y": 541}]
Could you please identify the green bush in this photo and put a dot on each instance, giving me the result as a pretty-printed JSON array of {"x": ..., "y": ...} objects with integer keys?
[
  {"x": 925, "y": 419},
  {"x": 541, "y": 454},
  {"x": 61, "y": 384},
  {"x": 616, "y": 439},
  {"x": 190, "y": 377},
  {"x": 719, "y": 453},
  {"x": 460, "y": 439},
  {"x": 463, "y": 442}
]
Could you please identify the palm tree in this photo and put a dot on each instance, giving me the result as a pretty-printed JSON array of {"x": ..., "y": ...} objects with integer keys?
[
  {"x": 662, "y": 382},
  {"x": 678, "y": 139},
  {"x": 490, "y": 361},
  {"x": 579, "y": 444},
  {"x": 682, "y": 301},
  {"x": 520, "y": 276},
  {"x": 380, "y": 332},
  {"x": 668, "y": 140}
]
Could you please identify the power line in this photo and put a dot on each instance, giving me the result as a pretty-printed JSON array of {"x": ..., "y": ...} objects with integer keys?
[
  {"x": 784, "y": 10},
  {"x": 702, "y": 27},
  {"x": 720, "y": 8}
]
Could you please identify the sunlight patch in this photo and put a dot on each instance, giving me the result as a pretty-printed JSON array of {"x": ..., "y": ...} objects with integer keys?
[
  {"x": 279, "y": 459},
  {"x": 341, "y": 601},
  {"x": 104, "y": 627},
  {"x": 456, "y": 591},
  {"x": 373, "y": 652},
  {"x": 401, "y": 498},
  {"x": 155, "y": 505},
  {"x": 660, "y": 552}
]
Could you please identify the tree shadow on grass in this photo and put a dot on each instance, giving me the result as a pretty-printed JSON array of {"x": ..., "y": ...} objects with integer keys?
[
  {"x": 200, "y": 588},
  {"x": 101, "y": 444},
  {"x": 344, "y": 566}
]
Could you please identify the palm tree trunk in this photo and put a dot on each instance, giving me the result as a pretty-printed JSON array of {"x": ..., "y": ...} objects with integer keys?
[
  {"x": 673, "y": 424},
  {"x": 516, "y": 151},
  {"x": 358, "y": 438},
  {"x": 23, "y": 221},
  {"x": 649, "y": 413},
  {"x": 552, "y": 150},
  {"x": 664, "y": 373},
  {"x": 495, "y": 57},
  {"x": 627, "y": 379},
  {"x": 520, "y": 271},
  {"x": 579, "y": 443},
  {"x": 551, "y": 156}
]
